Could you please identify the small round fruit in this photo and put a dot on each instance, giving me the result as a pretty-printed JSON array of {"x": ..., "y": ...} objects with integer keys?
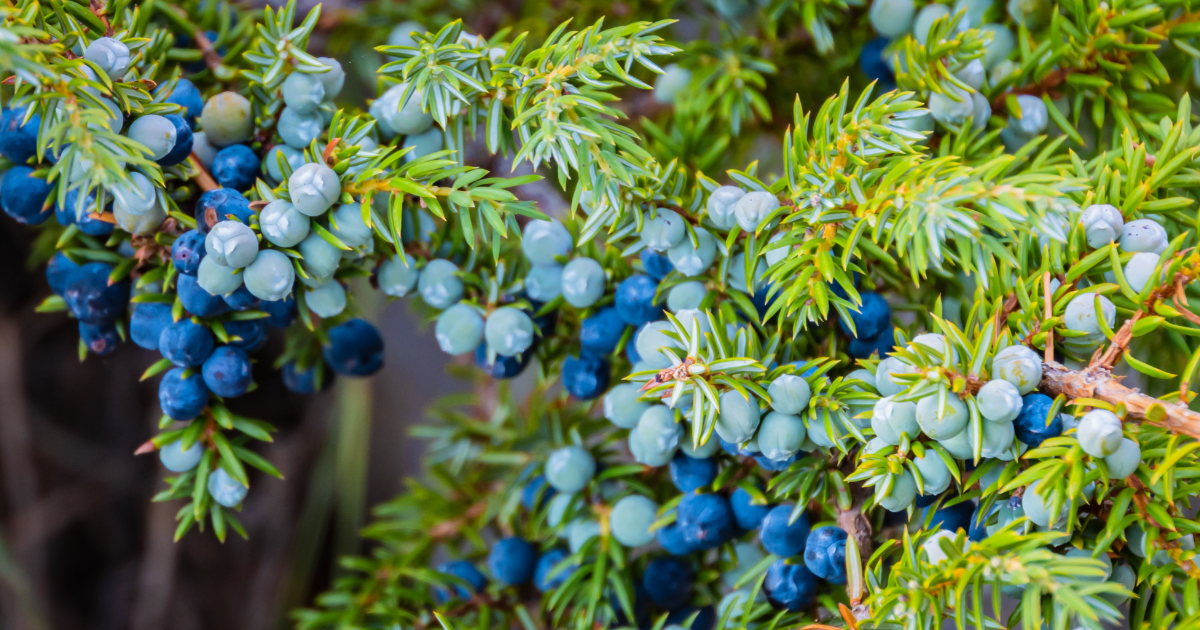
[
  {"x": 333, "y": 79},
  {"x": 668, "y": 582},
  {"x": 1037, "y": 508},
  {"x": 1100, "y": 433},
  {"x": 753, "y": 207},
  {"x": 186, "y": 343},
  {"x": 901, "y": 494},
  {"x": 464, "y": 571},
  {"x": 999, "y": 401},
  {"x": 282, "y": 224},
  {"x": 663, "y": 231},
  {"x": 314, "y": 188},
  {"x": 1124, "y": 462},
  {"x": 892, "y": 419},
  {"x": 232, "y": 244},
  {"x": 873, "y": 316},
  {"x": 952, "y": 108},
  {"x": 649, "y": 343},
  {"x": 569, "y": 469},
  {"x": 551, "y": 571},
  {"x": 635, "y": 300},
  {"x": 90, "y": 297},
  {"x": 348, "y": 226},
  {"x": 705, "y": 521},
  {"x": 925, "y": 19},
  {"x": 327, "y": 299},
  {"x": 423, "y": 144},
  {"x": 631, "y": 518},
  {"x": 100, "y": 339},
  {"x": 1033, "y": 119},
  {"x": 1102, "y": 224},
  {"x": 147, "y": 321},
  {"x": 402, "y": 33},
  {"x": 227, "y": 119},
  {"x": 154, "y": 132},
  {"x": 23, "y": 196},
  {"x": 622, "y": 405},
  {"x": 227, "y": 372},
  {"x": 691, "y": 473},
  {"x": 601, "y": 332},
  {"x": 790, "y": 586},
  {"x": 321, "y": 259},
  {"x": 582, "y": 282},
  {"x": 952, "y": 421},
  {"x": 397, "y": 277},
  {"x": 544, "y": 241},
  {"x": 294, "y": 158},
  {"x": 226, "y": 490},
  {"x": 825, "y": 554},
  {"x": 1144, "y": 235},
  {"x": 935, "y": 474},
  {"x": 738, "y": 418},
  {"x": 1139, "y": 271},
  {"x": 176, "y": 459},
  {"x": 789, "y": 394},
  {"x": 1020, "y": 366},
  {"x": 655, "y": 439},
  {"x": 303, "y": 92},
  {"x": 544, "y": 283},
  {"x": 781, "y": 535},
  {"x": 459, "y": 329},
  {"x": 440, "y": 285},
  {"x": 355, "y": 348},
  {"x": 236, "y": 166},
  {"x": 198, "y": 301},
  {"x": 694, "y": 260},
  {"x": 110, "y": 55},
  {"x": 892, "y": 18},
  {"x": 671, "y": 83},
  {"x": 404, "y": 118},
  {"x": 1002, "y": 45},
  {"x": 585, "y": 377},
  {"x": 509, "y": 331},
  {"x": 720, "y": 205},
  {"x": 182, "y": 398},
  {"x": 780, "y": 435},
  {"x": 18, "y": 137},
  {"x": 687, "y": 295},
  {"x": 221, "y": 204},
  {"x": 512, "y": 560},
  {"x": 217, "y": 279}
]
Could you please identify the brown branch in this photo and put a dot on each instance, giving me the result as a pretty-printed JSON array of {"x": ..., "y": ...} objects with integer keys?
[
  {"x": 1097, "y": 381},
  {"x": 211, "y": 58},
  {"x": 203, "y": 178}
]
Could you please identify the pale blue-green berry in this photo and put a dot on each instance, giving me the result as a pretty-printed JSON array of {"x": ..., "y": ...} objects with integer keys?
[
  {"x": 918, "y": 124},
  {"x": 347, "y": 224},
  {"x": 270, "y": 277},
  {"x": 935, "y": 475},
  {"x": 749, "y": 554},
  {"x": 649, "y": 341},
  {"x": 989, "y": 478},
  {"x": 753, "y": 207},
  {"x": 293, "y": 157},
  {"x": 663, "y": 231},
  {"x": 154, "y": 132},
  {"x": 1020, "y": 366},
  {"x": 402, "y": 33},
  {"x": 865, "y": 376},
  {"x": 961, "y": 446},
  {"x": 327, "y": 299},
  {"x": 735, "y": 602},
  {"x": 226, "y": 490},
  {"x": 398, "y": 276},
  {"x": 299, "y": 130},
  {"x": 1075, "y": 552},
  {"x": 777, "y": 254},
  {"x": 282, "y": 224},
  {"x": 1099, "y": 433},
  {"x": 981, "y": 111},
  {"x": 320, "y": 258},
  {"x": 303, "y": 93},
  {"x": 386, "y": 133},
  {"x": 631, "y": 518},
  {"x": 999, "y": 401},
  {"x": 952, "y": 420},
  {"x": 557, "y": 508},
  {"x": 892, "y": 18},
  {"x": 581, "y": 531},
  {"x": 622, "y": 406},
  {"x": 655, "y": 439},
  {"x": 404, "y": 118},
  {"x": 1004, "y": 516},
  {"x": 885, "y": 374},
  {"x": 226, "y": 119},
  {"x": 314, "y": 188},
  {"x": 334, "y": 79},
  {"x": 976, "y": 10},
  {"x": 720, "y": 206},
  {"x": 569, "y": 469},
  {"x": 953, "y": 108},
  {"x": 509, "y": 331},
  {"x": 686, "y": 295},
  {"x": 1033, "y": 119},
  {"x": 1140, "y": 270},
  {"x": 1135, "y": 540},
  {"x": 1124, "y": 575},
  {"x": 1125, "y": 461},
  {"x": 440, "y": 284},
  {"x": 819, "y": 432},
  {"x": 874, "y": 445},
  {"x": 140, "y": 224},
  {"x": 789, "y": 394},
  {"x": 671, "y": 83},
  {"x": 936, "y": 343},
  {"x": 933, "y": 546},
  {"x": 110, "y": 55},
  {"x": 137, "y": 196},
  {"x": 739, "y": 417},
  {"x": 216, "y": 278},
  {"x": 582, "y": 282},
  {"x": 459, "y": 330},
  {"x": 693, "y": 261},
  {"x": 422, "y": 144},
  {"x": 705, "y": 450},
  {"x": 1002, "y": 45},
  {"x": 891, "y": 420},
  {"x": 544, "y": 282},
  {"x": 1102, "y": 224},
  {"x": 1037, "y": 507},
  {"x": 997, "y": 439},
  {"x": 231, "y": 243},
  {"x": 737, "y": 273},
  {"x": 901, "y": 494},
  {"x": 1144, "y": 235},
  {"x": 176, "y": 459},
  {"x": 206, "y": 151},
  {"x": 1080, "y": 315},
  {"x": 543, "y": 241},
  {"x": 780, "y": 435},
  {"x": 925, "y": 19}
]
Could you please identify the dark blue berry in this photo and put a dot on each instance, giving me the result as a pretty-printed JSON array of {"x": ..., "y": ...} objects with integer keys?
[
  {"x": 183, "y": 142},
  {"x": 790, "y": 586},
  {"x": 600, "y": 333},
  {"x": 22, "y": 196},
  {"x": 875, "y": 65},
  {"x": 187, "y": 251},
  {"x": 186, "y": 343},
  {"x": 825, "y": 555},
  {"x": 227, "y": 372},
  {"x": 182, "y": 398},
  {"x": 1030, "y": 425},
  {"x": 635, "y": 300},
  {"x": 656, "y": 264},
  {"x": 706, "y": 520},
  {"x": 748, "y": 515},
  {"x": 355, "y": 348},
  {"x": 705, "y": 618},
  {"x": 668, "y": 582},
  {"x": 64, "y": 212},
  {"x": 248, "y": 334},
  {"x": 512, "y": 561},
  {"x": 776, "y": 465},
  {"x": 883, "y": 344},
  {"x": 536, "y": 493},
  {"x": 925, "y": 500},
  {"x": 673, "y": 540},
  {"x": 89, "y": 296},
  {"x": 282, "y": 312},
  {"x": 729, "y": 447},
  {"x": 781, "y": 537},
  {"x": 503, "y": 367},
  {"x": 242, "y": 299},
  {"x": 236, "y": 166},
  {"x": 872, "y": 317},
  {"x": 690, "y": 474},
  {"x": 978, "y": 529},
  {"x": 954, "y": 517},
  {"x": 146, "y": 323},
  {"x": 466, "y": 572},
  {"x": 301, "y": 381},
  {"x": 585, "y": 377},
  {"x": 545, "y": 576},
  {"x": 59, "y": 271},
  {"x": 100, "y": 339},
  {"x": 218, "y": 204},
  {"x": 18, "y": 142},
  {"x": 196, "y": 300},
  {"x": 187, "y": 95}
]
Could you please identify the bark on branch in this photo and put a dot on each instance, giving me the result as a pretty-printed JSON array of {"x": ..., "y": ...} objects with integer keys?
[{"x": 1098, "y": 382}]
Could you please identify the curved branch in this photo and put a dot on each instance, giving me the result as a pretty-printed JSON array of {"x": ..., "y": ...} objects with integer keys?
[{"x": 1098, "y": 382}]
